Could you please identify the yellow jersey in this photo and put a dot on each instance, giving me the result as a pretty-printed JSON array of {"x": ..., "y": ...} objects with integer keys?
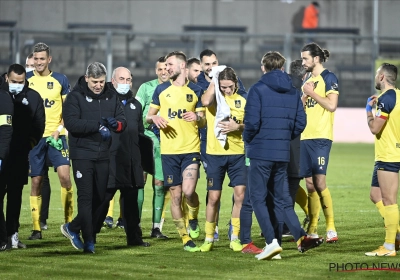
[
  {"x": 53, "y": 88},
  {"x": 180, "y": 136},
  {"x": 234, "y": 144},
  {"x": 387, "y": 141},
  {"x": 320, "y": 120}
]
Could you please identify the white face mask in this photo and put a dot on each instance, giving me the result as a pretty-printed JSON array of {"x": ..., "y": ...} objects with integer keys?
[
  {"x": 28, "y": 69},
  {"x": 15, "y": 88},
  {"x": 123, "y": 88}
]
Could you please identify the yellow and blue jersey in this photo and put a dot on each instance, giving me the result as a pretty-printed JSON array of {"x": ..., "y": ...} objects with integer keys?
[
  {"x": 320, "y": 120},
  {"x": 387, "y": 141},
  {"x": 234, "y": 144},
  {"x": 53, "y": 88},
  {"x": 180, "y": 136}
]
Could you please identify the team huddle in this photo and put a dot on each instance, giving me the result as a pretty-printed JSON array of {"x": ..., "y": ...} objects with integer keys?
[{"x": 197, "y": 112}]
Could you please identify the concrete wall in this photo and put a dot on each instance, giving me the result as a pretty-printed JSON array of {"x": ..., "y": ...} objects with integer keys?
[{"x": 268, "y": 16}]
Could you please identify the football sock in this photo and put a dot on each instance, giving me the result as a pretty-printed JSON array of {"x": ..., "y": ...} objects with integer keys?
[
  {"x": 185, "y": 211},
  {"x": 67, "y": 202},
  {"x": 391, "y": 223},
  {"x": 381, "y": 208},
  {"x": 167, "y": 197},
  {"x": 302, "y": 200},
  {"x": 314, "y": 206},
  {"x": 180, "y": 226},
  {"x": 327, "y": 207},
  {"x": 193, "y": 211},
  {"x": 140, "y": 199},
  {"x": 210, "y": 229},
  {"x": 36, "y": 205},
  {"x": 158, "y": 201},
  {"x": 235, "y": 228},
  {"x": 110, "y": 212}
]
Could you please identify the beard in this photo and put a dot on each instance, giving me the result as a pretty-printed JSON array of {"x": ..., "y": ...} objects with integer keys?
[
  {"x": 310, "y": 68},
  {"x": 174, "y": 76},
  {"x": 378, "y": 86}
]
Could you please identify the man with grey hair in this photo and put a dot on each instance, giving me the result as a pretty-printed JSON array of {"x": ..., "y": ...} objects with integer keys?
[{"x": 91, "y": 110}]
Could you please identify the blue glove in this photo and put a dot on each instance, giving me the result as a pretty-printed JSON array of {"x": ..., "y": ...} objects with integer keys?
[
  {"x": 153, "y": 128},
  {"x": 369, "y": 107},
  {"x": 105, "y": 133},
  {"x": 110, "y": 122}
]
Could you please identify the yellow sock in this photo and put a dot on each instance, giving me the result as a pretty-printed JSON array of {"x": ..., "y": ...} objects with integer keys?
[
  {"x": 110, "y": 212},
  {"x": 302, "y": 200},
  {"x": 298, "y": 242},
  {"x": 67, "y": 201},
  {"x": 327, "y": 207},
  {"x": 180, "y": 226},
  {"x": 185, "y": 211},
  {"x": 381, "y": 208},
  {"x": 193, "y": 211},
  {"x": 391, "y": 222},
  {"x": 235, "y": 227},
  {"x": 36, "y": 205},
  {"x": 167, "y": 198},
  {"x": 210, "y": 229},
  {"x": 314, "y": 206}
]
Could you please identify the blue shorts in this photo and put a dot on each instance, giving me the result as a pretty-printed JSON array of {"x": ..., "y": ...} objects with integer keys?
[
  {"x": 314, "y": 156},
  {"x": 217, "y": 166},
  {"x": 174, "y": 165},
  {"x": 385, "y": 166},
  {"x": 38, "y": 155}
]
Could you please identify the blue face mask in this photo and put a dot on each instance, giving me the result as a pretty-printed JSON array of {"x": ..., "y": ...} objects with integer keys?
[
  {"x": 123, "y": 88},
  {"x": 15, "y": 88}
]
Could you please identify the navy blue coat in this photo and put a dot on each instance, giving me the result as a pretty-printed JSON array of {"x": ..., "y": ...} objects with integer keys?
[{"x": 274, "y": 115}]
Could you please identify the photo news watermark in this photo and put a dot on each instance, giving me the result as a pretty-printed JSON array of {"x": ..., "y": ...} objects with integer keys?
[{"x": 361, "y": 266}]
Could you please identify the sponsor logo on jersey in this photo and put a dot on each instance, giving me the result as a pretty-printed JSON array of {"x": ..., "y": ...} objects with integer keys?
[
  {"x": 315, "y": 84},
  {"x": 173, "y": 114},
  {"x": 133, "y": 107},
  {"x": 334, "y": 86},
  {"x": 89, "y": 99},
  {"x": 78, "y": 174}
]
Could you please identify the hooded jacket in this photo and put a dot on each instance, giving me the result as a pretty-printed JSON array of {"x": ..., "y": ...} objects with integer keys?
[
  {"x": 28, "y": 127},
  {"x": 82, "y": 114},
  {"x": 274, "y": 115},
  {"x": 125, "y": 152}
]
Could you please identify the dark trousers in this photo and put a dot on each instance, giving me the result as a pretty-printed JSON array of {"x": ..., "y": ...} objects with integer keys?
[
  {"x": 130, "y": 213},
  {"x": 246, "y": 218},
  {"x": 91, "y": 177},
  {"x": 46, "y": 192},
  {"x": 293, "y": 187},
  {"x": 268, "y": 178}
]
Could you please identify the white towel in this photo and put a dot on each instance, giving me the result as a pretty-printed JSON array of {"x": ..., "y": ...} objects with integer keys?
[{"x": 223, "y": 110}]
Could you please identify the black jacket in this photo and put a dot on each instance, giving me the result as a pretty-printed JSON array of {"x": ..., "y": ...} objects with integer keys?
[
  {"x": 82, "y": 113},
  {"x": 6, "y": 129},
  {"x": 127, "y": 170},
  {"x": 28, "y": 127}
]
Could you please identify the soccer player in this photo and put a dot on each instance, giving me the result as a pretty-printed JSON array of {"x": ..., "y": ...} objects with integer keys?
[
  {"x": 6, "y": 131},
  {"x": 28, "y": 128},
  {"x": 193, "y": 69},
  {"x": 126, "y": 173},
  {"x": 144, "y": 96},
  {"x": 273, "y": 116},
  {"x": 320, "y": 96},
  {"x": 385, "y": 125},
  {"x": 181, "y": 112},
  {"x": 90, "y": 111},
  {"x": 208, "y": 60},
  {"x": 225, "y": 155},
  {"x": 53, "y": 88}
]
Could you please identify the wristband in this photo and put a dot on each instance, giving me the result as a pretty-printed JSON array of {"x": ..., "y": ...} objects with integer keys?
[{"x": 60, "y": 128}]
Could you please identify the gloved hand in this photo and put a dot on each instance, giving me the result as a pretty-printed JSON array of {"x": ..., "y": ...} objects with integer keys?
[
  {"x": 55, "y": 144},
  {"x": 368, "y": 107},
  {"x": 153, "y": 128},
  {"x": 105, "y": 133},
  {"x": 110, "y": 122}
]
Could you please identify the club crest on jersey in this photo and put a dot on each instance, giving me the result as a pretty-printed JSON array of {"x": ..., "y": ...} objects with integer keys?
[
  {"x": 133, "y": 107},
  {"x": 315, "y": 84},
  {"x": 238, "y": 104},
  {"x": 170, "y": 179},
  {"x": 50, "y": 85},
  {"x": 210, "y": 182},
  {"x": 89, "y": 99},
  {"x": 189, "y": 97}
]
